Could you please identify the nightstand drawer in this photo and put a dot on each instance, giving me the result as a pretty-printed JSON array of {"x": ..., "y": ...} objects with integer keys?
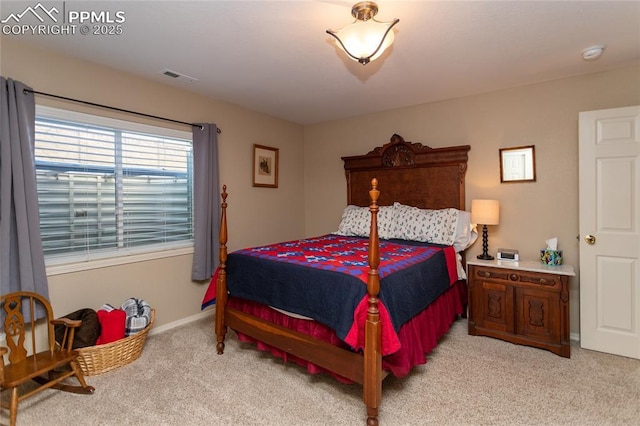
[{"x": 509, "y": 276}]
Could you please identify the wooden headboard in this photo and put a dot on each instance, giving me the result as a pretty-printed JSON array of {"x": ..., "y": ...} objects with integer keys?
[{"x": 409, "y": 173}]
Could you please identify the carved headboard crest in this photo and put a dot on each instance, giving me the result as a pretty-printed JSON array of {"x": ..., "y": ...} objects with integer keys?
[{"x": 398, "y": 152}]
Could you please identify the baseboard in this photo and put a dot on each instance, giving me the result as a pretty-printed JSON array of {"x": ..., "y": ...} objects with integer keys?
[
  {"x": 574, "y": 336},
  {"x": 183, "y": 321}
]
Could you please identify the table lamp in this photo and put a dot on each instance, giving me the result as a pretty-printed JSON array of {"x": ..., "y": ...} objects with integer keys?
[{"x": 485, "y": 212}]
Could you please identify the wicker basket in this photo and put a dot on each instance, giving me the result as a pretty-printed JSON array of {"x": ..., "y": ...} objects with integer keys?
[{"x": 99, "y": 359}]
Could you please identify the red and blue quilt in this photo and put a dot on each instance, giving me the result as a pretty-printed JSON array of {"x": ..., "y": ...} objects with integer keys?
[{"x": 325, "y": 278}]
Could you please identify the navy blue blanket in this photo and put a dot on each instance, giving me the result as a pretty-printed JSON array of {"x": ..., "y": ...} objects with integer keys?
[{"x": 324, "y": 278}]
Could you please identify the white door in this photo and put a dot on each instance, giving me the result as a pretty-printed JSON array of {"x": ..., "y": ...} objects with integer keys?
[{"x": 610, "y": 230}]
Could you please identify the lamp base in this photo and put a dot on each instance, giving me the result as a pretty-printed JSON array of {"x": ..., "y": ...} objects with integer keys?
[
  {"x": 485, "y": 245},
  {"x": 485, "y": 257}
]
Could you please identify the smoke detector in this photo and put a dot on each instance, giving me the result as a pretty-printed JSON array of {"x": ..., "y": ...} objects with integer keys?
[
  {"x": 178, "y": 76},
  {"x": 592, "y": 53}
]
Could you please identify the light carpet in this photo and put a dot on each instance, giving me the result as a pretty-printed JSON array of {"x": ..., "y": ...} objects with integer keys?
[{"x": 468, "y": 380}]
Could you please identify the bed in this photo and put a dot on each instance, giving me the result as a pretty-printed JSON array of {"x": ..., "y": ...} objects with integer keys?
[{"x": 364, "y": 300}]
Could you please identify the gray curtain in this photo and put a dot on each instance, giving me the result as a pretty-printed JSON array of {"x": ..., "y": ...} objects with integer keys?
[
  {"x": 22, "y": 265},
  {"x": 206, "y": 200}
]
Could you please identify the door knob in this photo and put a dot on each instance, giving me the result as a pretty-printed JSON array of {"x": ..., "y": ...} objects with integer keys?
[{"x": 590, "y": 239}]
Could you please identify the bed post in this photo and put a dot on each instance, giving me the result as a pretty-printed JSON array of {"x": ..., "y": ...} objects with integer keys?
[
  {"x": 372, "y": 392},
  {"x": 221, "y": 289}
]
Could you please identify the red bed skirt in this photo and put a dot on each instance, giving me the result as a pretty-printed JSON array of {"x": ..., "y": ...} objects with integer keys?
[{"x": 417, "y": 337}]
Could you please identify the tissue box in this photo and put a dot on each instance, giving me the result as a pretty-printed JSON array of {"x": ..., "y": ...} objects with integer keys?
[{"x": 551, "y": 257}]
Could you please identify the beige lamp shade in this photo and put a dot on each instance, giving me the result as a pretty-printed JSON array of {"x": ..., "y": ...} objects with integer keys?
[{"x": 485, "y": 212}]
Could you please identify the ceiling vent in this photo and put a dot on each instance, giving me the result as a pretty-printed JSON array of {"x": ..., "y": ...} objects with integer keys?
[{"x": 177, "y": 76}]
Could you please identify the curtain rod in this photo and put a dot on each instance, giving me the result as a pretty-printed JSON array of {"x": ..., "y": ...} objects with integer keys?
[{"x": 115, "y": 109}]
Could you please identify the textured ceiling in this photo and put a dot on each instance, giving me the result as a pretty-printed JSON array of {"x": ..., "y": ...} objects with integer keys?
[{"x": 275, "y": 57}]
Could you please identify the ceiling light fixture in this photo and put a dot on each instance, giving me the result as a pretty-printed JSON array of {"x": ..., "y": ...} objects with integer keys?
[
  {"x": 365, "y": 39},
  {"x": 592, "y": 53}
]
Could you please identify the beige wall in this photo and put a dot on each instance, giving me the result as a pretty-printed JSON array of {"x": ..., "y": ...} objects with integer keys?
[
  {"x": 544, "y": 115},
  {"x": 312, "y": 191},
  {"x": 257, "y": 215}
]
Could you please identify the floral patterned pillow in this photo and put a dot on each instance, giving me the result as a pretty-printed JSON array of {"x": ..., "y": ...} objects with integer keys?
[
  {"x": 433, "y": 226},
  {"x": 356, "y": 221}
]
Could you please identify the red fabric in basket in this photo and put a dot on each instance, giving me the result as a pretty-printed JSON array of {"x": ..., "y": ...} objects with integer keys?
[{"x": 113, "y": 325}]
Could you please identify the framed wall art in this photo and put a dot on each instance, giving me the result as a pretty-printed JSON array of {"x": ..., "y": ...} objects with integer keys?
[
  {"x": 265, "y": 166},
  {"x": 518, "y": 164}
]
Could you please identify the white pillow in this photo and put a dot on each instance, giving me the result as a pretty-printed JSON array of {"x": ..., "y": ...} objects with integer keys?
[
  {"x": 433, "y": 226},
  {"x": 403, "y": 219},
  {"x": 356, "y": 221},
  {"x": 445, "y": 226},
  {"x": 466, "y": 233}
]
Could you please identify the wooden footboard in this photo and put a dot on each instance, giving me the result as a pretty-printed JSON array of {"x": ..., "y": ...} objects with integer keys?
[{"x": 365, "y": 368}]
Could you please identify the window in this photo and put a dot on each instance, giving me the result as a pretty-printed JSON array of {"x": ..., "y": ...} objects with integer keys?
[{"x": 110, "y": 187}]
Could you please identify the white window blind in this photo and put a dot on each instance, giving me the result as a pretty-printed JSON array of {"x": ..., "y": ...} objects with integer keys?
[{"x": 105, "y": 185}]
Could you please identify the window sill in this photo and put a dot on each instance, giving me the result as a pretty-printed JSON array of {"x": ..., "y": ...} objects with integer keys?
[{"x": 77, "y": 266}]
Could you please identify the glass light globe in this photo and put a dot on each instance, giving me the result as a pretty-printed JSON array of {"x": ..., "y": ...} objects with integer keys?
[{"x": 361, "y": 39}]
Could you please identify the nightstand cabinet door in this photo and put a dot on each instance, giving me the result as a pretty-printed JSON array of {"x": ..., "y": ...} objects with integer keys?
[
  {"x": 495, "y": 306},
  {"x": 538, "y": 314},
  {"x": 520, "y": 306}
]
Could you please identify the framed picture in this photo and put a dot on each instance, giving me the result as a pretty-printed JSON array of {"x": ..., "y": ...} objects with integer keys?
[
  {"x": 518, "y": 164},
  {"x": 265, "y": 166}
]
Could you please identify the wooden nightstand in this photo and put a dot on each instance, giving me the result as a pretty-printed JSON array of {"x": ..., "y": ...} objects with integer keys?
[{"x": 523, "y": 302}]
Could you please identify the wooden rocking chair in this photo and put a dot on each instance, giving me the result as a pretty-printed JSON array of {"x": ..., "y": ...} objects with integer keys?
[{"x": 46, "y": 363}]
